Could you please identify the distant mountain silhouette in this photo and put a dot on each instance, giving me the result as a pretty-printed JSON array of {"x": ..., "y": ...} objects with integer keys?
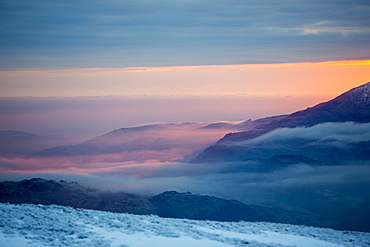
[
  {"x": 19, "y": 143},
  {"x": 245, "y": 125},
  {"x": 150, "y": 141},
  {"x": 353, "y": 106},
  {"x": 120, "y": 140}
]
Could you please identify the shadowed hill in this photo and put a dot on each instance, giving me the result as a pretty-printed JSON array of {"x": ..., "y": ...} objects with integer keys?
[{"x": 167, "y": 204}]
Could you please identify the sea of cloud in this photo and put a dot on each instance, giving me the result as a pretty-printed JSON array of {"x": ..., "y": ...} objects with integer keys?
[{"x": 334, "y": 191}]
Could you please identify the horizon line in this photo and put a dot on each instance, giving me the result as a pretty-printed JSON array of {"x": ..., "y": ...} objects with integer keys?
[{"x": 185, "y": 67}]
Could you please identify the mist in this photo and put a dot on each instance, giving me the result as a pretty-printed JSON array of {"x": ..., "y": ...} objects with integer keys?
[
  {"x": 336, "y": 191},
  {"x": 158, "y": 156},
  {"x": 343, "y": 132}
]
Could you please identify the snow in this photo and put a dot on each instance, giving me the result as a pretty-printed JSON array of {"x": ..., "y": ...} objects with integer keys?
[
  {"x": 17, "y": 241},
  {"x": 270, "y": 237},
  {"x": 361, "y": 93},
  {"x": 37, "y": 225}
]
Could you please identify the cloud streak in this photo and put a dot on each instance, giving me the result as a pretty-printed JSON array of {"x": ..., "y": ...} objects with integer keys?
[
  {"x": 343, "y": 132},
  {"x": 321, "y": 28}
]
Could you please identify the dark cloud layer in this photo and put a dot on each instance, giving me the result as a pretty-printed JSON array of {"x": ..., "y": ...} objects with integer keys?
[{"x": 166, "y": 33}]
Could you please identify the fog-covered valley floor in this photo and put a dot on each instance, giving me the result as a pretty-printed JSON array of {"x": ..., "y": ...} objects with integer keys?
[
  {"x": 314, "y": 162},
  {"x": 38, "y": 225}
]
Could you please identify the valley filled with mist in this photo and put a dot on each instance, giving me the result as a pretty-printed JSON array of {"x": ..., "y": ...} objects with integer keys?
[{"x": 313, "y": 165}]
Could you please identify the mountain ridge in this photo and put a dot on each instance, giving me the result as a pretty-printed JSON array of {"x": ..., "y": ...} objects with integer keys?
[
  {"x": 167, "y": 204},
  {"x": 152, "y": 139},
  {"x": 19, "y": 143},
  {"x": 351, "y": 106}
]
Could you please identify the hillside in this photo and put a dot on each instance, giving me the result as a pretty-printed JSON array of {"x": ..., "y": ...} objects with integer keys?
[
  {"x": 352, "y": 106},
  {"x": 37, "y": 225},
  {"x": 167, "y": 204},
  {"x": 164, "y": 142}
]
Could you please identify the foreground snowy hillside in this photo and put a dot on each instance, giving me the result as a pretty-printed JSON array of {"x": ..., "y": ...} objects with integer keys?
[{"x": 37, "y": 225}]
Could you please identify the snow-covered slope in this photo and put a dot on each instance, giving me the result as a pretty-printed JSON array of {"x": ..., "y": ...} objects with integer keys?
[{"x": 37, "y": 225}]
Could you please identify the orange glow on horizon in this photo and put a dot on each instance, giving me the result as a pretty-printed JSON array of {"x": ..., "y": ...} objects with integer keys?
[
  {"x": 278, "y": 80},
  {"x": 191, "y": 67}
]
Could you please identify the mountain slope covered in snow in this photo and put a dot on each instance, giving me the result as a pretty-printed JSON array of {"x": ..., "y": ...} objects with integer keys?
[{"x": 37, "y": 225}]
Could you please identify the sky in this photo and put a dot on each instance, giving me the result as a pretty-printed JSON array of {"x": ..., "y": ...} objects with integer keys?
[
  {"x": 111, "y": 64},
  {"x": 102, "y": 65},
  {"x": 94, "y": 48},
  {"x": 91, "y": 48},
  {"x": 144, "y": 33}
]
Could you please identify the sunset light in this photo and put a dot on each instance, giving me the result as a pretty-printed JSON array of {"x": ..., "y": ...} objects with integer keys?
[
  {"x": 288, "y": 79},
  {"x": 207, "y": 110}
]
